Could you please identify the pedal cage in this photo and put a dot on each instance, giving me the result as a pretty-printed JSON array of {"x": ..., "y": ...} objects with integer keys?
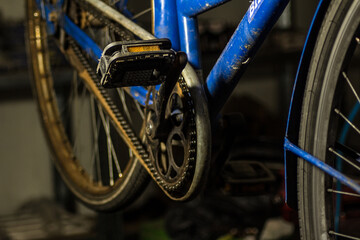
[{"x": 136, "y": 63}]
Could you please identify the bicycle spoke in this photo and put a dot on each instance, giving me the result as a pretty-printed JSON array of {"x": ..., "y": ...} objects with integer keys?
[
  {"x": 113, "y": 153},
  {"x": 140, "y": 111},
  {"x": 91, "y": 30},
  {"x": 344, "y": 158},
  {"x": 116, "y": 161},
  {"x": 347, "y": 120},
  {"x": 109, "y": 147},
  {"x": 77, "y": 129},
  {"x": 72, "y": 91},
  {"x": 78, "y": 106},
  {"x": 343, "y": 193},
  {"x": 112, "y": 157},
  {"x": 74, "y": 108},
  {"x": 111, "y": 150},
  {"x": 343, "y": 235},
  {"x": 107, "y": 38},
  {"x": 104, "y": 121},
  {"x": 351, "y": 86},
  {"x": 67, "y": 104},
  {"x": 348, "y": 151},
  {"x": 95, "y": 158},
  {"x": 141, "y": 13}
]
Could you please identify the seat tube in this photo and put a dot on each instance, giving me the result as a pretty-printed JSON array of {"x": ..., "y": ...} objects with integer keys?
[
  {"x": 189, "y": 39},
  {"x": 165, "y": 21},
  {"x": 188, "y": 26}
]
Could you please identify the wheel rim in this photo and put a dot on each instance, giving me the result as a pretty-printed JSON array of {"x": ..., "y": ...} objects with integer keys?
[
  {"x": 325, "y": 197},
  {"x": 89, "y": 180}
]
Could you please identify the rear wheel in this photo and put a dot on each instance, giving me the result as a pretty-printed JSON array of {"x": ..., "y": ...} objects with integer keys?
[
  {"x": 329, "y": 128},
  {"x": 85, "y": 124}
]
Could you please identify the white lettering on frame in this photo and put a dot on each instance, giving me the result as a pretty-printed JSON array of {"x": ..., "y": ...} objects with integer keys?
[{"x": 254, "y": 7}]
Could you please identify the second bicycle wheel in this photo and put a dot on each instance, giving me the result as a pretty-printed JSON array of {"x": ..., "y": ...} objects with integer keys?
[
  {"x": 93, "y": 132},
  {"x": 329, "y": 128}
]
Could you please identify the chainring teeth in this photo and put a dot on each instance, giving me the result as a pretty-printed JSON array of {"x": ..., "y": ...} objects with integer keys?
[{"x": 186, "y": 128}]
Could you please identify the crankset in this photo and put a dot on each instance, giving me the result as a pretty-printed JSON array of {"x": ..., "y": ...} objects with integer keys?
[
  {"x": 170, "y": 128},
  {"x": 170, "y": 132}
]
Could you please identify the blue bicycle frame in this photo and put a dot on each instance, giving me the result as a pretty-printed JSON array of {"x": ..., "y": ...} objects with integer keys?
[
  {"x": 177, "y": 21},
  {"x": 248, "y": 36}
]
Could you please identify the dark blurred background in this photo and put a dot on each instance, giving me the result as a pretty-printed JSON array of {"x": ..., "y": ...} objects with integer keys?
[{"x": 34, "y": 205}]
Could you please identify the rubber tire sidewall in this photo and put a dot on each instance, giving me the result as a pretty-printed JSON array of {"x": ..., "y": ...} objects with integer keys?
[{"x": 316, "y": 117}]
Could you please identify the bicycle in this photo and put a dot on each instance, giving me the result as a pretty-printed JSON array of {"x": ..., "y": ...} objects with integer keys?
[{"x": 140, "y": 130}]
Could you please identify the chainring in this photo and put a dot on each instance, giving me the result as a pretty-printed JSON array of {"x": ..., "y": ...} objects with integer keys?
[{"x": 171, "y": 139}]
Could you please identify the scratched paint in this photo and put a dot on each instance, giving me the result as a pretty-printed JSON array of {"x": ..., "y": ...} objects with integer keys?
[
  {"x": 191, "y": 8},
  {"x": 238, "y": 53}
]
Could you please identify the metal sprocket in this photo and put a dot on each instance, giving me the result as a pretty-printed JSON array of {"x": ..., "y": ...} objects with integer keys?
[{"x": 171, "y": 138}]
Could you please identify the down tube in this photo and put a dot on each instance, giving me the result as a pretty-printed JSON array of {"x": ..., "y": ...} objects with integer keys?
[{"x": 253, "y": 28}]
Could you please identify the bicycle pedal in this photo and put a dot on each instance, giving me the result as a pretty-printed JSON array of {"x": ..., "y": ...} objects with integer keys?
[{"x": 136, "y": 63}]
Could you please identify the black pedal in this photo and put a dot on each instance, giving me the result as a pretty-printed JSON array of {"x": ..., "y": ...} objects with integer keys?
[{"x": 136, "y": 63}]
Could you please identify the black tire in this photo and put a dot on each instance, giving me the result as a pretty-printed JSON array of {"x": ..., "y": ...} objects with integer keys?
[
  {"x": 320, "y": 126},
  {"x": 101, "y": 184}
]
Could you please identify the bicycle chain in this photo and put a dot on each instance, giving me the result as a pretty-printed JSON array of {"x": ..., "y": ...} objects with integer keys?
[{"x": 126, "y": 35}]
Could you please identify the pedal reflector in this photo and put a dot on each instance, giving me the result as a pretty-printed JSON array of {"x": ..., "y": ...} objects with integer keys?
[{"x": 135, "y": 63}]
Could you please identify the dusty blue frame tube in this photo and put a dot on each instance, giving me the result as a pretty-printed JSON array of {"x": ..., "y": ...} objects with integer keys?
[
  {"x": 166, "y": 22},
  {"x": 82, "y": 38},
  {"x": 250, "y": 33},
  {"x": 189, "y": 39},
  {"x": 321, "y": 165},
  {"x": 191, "y": 8}
]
